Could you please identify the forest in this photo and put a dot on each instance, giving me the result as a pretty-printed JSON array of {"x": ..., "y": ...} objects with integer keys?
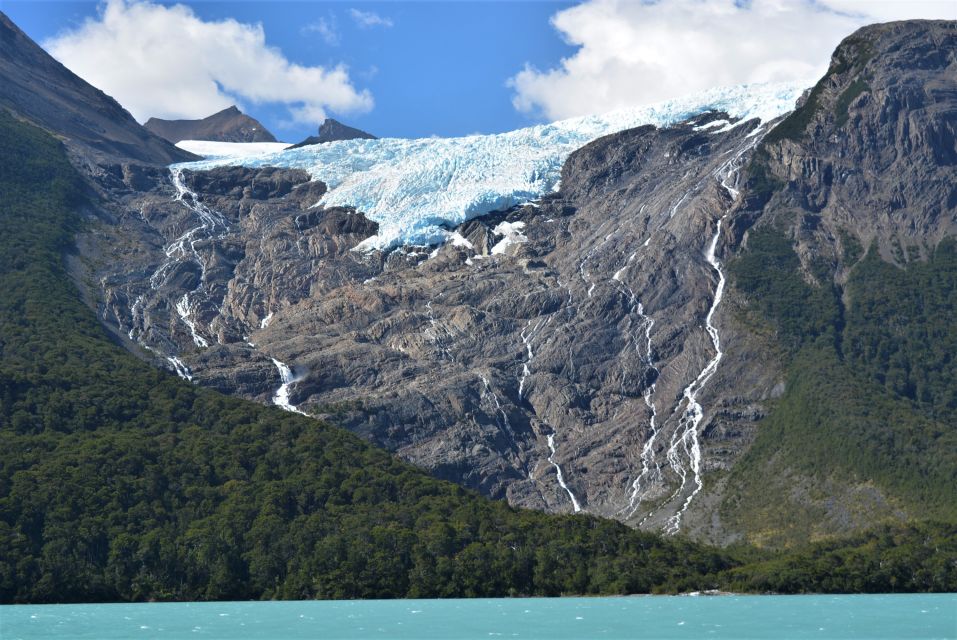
[{"x": 870, "y": 381}]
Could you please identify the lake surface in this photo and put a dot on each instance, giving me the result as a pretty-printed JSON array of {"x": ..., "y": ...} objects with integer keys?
[{"x": 726, "y": 617}]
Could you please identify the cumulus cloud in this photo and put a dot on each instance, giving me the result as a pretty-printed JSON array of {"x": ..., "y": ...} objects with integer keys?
[
  {"x": 165, "y": 61},
  {"x": 368, "y": 19},
  {"x": 631, "y": 53}
]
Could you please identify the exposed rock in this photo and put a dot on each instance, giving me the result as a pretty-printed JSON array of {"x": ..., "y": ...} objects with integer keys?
[
  {"x": 94, "y": 127},
  {"x": 228, "y": 125},
  {"x": 235, "y": 183},
  {"x": 332, "y": 130},
  {"x": 424, "y": 350},
  {"x": 878, "y": 132}
]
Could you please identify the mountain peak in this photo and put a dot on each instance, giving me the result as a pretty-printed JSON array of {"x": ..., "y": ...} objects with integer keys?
[
  {"x": 332, "y": 130},
  {"x": 228, "y": 125}
]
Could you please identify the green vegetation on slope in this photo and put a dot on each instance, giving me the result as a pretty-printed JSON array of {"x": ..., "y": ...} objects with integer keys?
[
  {"x": 853, "y": 54},
  {"x": 868, "y": 400},
  {"x": 121, "y": 482},
  {"x": 902, "y": 328},
  {"x": 886, "y": 560}
]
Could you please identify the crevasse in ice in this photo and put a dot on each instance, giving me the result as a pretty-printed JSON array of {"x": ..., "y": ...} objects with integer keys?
[{"x": 412, "y": 187}]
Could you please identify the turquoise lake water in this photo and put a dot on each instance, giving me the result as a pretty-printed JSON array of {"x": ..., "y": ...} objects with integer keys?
[{"x": 725, "y": 617}]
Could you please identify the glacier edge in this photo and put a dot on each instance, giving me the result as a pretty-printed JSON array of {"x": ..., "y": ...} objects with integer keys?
[{"x": 416, "y": 188}]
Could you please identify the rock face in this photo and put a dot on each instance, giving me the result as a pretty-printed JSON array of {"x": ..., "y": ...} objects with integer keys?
[
  {"x": 526, "y": 359},
  {"x": 95, "y": 128},
  {"x": 582, "y": 352},
  {"x": 869, "y": 160},
  {"x": 228, "y": 125},
  {"x": 877, "y": 133},
  {"x": 331, "y": 130}
]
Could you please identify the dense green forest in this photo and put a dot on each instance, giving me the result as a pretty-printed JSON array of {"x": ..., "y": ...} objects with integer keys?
[
  {"x": 870, "y": 387},
  {"x": 917, "y": 557},
  {"x": 122, "y": 482},
  {"x": 902, "y": 328}
]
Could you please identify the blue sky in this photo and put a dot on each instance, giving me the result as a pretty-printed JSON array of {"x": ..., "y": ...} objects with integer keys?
[
  {"x": 440, "y": 69},
  {"x": 418, "y": 69}
]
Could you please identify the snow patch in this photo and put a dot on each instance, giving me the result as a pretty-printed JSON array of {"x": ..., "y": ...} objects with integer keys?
[
  {"x": 215, "y": 149},
  {"x": 512, "y": 234},
  {"x": 458, "y": 240},
  {"x": 711, "y": 125}
]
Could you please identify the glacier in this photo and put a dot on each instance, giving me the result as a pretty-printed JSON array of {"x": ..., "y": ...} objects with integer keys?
[{"x": 415, "y": 189}]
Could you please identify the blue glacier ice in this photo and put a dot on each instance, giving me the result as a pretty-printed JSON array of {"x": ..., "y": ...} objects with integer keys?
[{"x": 412, "y": 187}]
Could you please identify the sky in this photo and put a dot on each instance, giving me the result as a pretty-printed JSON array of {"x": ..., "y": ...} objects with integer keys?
[{"x": 419, "y": 69}]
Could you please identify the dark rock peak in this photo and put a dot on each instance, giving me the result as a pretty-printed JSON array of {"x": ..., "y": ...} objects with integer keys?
[
  {"x": 332, "y": 131},
  {"x": 228, "y": 125},
  {"x": 92, "y": 124}
]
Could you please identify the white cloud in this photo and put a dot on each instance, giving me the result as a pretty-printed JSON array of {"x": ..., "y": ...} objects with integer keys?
[
  {"x": 368, "y": 19},
  {"x": 631, "y": 53},
  {"x": 326, "y": 29},
  {"x": 164, "y": 61}
]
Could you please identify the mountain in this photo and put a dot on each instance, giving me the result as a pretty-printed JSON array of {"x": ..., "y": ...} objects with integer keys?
[
  {"x": 121, "y": 482},
  {"x": 845, "y": 253},
  {"x": 381, "y": 330},
  {"x": 332, "y": 131},
  {"x": 94, "y": 126},
  {"x": 711, "y": 327},
  {"x": 228, "y": 125},
  {"x": 619, "y": 346}
]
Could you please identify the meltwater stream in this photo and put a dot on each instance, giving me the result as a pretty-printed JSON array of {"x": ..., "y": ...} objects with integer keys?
[
  {"x": 561, "y": 477},
  {"x": 287, "y": 378},
  {"x": 684, "y": 442},
  {"x": 819, "y": 617},
  {"x": 208, "y": 224},
  {"x": 693, "y": 413}
]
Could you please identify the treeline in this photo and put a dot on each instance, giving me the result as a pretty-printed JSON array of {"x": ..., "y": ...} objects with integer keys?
[{"x": 919, "y": 557}]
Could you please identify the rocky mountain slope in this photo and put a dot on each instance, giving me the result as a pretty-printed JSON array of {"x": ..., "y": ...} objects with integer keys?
[
  {"x": 509, "y": 354},
  {"x": 228, "y": 125},
  {"x": 332, "y": 131},
  {"x": 120, "y": 482},
  {"x": 96, "y": 129},
  {"x": 876, "y": 133},
  {"x": 844, "y": 252},
  {"x": 603, "y": 349}
]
